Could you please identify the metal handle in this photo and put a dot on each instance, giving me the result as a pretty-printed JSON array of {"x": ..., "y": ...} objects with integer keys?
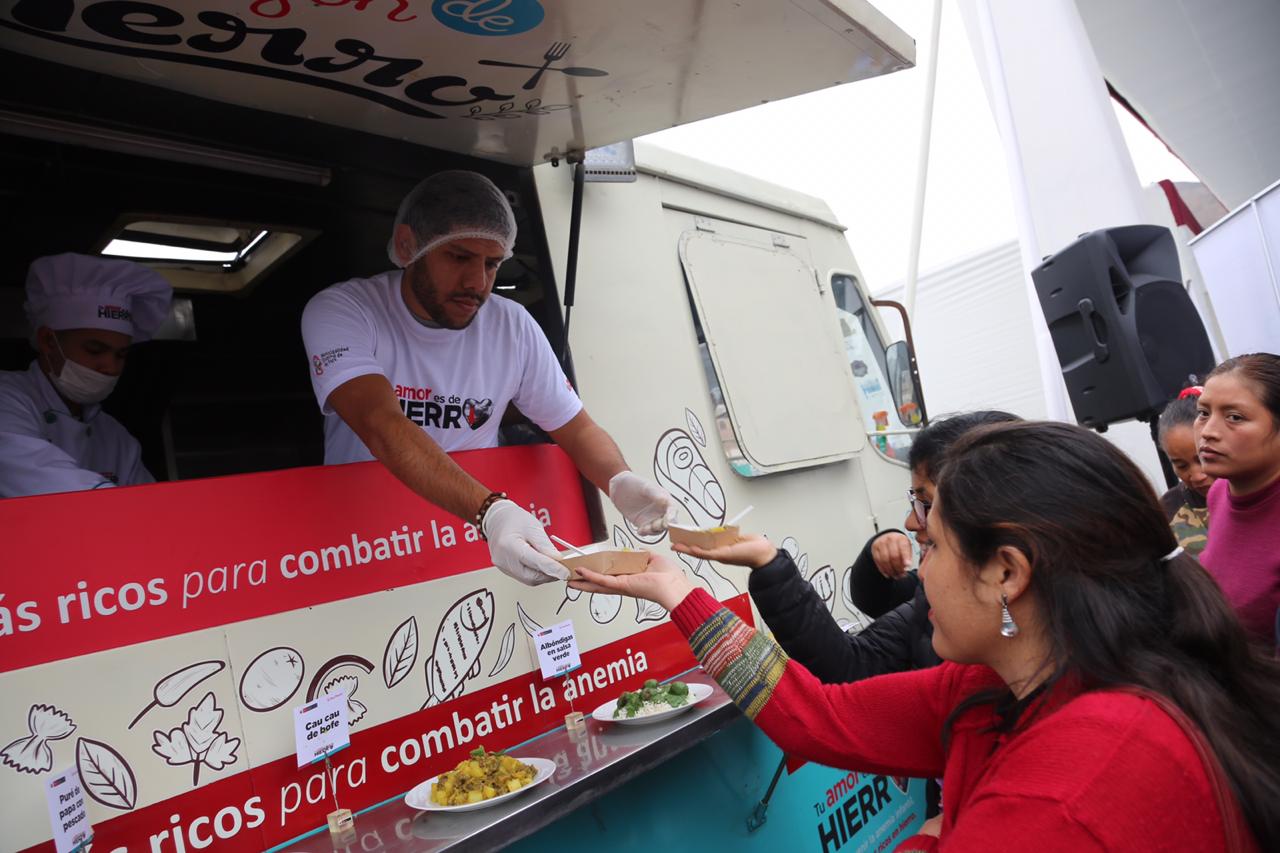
[{"x": 1097, "y": 327}]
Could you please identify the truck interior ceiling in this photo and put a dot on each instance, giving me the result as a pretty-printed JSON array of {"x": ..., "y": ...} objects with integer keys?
[{"x": 228, "y": 392}]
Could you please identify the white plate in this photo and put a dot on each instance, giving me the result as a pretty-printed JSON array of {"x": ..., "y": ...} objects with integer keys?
[
  {"x": 420, "y": 797},
  {"x": 697, "y": 692}
]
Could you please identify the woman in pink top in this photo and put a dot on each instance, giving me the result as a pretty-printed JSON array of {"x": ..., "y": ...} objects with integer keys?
[{"x": 1238, "y": 439}]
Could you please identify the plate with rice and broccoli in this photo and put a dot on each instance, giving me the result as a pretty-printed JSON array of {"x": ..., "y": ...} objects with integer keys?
[
  {"x": 485, "y": 779},
  {"x": 652, "y": 703}
]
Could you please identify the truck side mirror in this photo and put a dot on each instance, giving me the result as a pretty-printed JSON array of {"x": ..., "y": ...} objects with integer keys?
[{"x": 904, "y": 384}]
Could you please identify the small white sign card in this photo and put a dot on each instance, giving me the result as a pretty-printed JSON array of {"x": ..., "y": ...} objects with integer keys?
[
  {"x": 65, "y": 795},
  {"x": 557, "y": 649},
  {"x": 320, "y": 728}
]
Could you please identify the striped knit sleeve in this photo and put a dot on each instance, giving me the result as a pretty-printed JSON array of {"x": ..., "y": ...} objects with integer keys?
[
  {"x": 746, "y": 663},
  {"x": 888, "y": 724}
]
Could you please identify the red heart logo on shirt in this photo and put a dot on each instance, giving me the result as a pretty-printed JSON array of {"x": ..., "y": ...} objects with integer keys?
[{"x": 477, "y": 412}]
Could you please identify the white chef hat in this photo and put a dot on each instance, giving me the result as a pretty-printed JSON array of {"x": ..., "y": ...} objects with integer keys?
[
  {"x": 72, "y": 291},
  {"x": 453, "y": 205}
]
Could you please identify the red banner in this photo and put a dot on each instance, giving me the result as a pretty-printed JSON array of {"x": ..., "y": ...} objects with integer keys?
[
  {"x": 277, "y": 801},
  {"x": 87, "y": 571}
]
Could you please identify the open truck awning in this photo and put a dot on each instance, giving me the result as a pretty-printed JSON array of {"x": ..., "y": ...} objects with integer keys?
[{"x": 516, "y": 81}]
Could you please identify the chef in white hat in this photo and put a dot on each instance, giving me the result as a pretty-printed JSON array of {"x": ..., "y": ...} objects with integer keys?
[{"x": 85, "y": 313}]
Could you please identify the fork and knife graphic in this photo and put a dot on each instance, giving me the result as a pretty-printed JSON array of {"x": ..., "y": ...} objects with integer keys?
[{"x": 556, "y": 52}]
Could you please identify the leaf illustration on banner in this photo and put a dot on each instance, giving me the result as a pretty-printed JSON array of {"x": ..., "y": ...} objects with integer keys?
[
  {"x": 198, "y": 741},
  {"x": 202, "y": 722},
  {"x": 347, "y": 685},
  {"x": 401, "y": 653},
  {"x": 504, "y": 653},
  {"x": 530, "y": 627},
  {"x": 172, "y": 747},
  {"x": 221, "y": 752},
  {"x": 695, "y": 428},
  {"x": 105, "y": 774}
]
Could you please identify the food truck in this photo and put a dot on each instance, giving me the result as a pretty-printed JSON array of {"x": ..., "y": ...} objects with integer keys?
[{"x": 157, "y": 640}]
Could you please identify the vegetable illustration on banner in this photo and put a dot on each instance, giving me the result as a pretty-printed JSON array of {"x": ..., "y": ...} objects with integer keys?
[
  {"x": 505, "y": 651},
  {"x": 171, "y": 689},
  {"x": 198, "y": 741},
  {"x": 527, "y": 622},
  {"x": 271, "y": 679}
]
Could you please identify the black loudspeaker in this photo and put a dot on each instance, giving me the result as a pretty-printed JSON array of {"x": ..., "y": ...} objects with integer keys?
[{"x": 1127, "y": 335}]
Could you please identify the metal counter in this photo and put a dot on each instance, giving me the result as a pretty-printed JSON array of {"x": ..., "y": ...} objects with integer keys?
[{"x": 588, "y": 766}]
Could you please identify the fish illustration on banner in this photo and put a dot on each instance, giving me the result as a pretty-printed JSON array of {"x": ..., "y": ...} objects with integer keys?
[
  {"x": 681, "y": 470},
  {"x": 823, "y": 581},
  {"x": 455, "y": 653}
]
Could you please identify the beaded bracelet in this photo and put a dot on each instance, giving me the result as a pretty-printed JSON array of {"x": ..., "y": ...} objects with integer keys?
[{"x": 493, "y": 498}]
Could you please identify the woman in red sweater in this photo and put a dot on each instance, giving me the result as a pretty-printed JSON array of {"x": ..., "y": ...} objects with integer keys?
[
  {"x": 1237, "y": 432},
  {"x": 1098, "y": 693}
]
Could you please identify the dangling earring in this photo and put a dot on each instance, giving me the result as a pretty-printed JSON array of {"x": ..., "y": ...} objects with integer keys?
[{"x": 1008, "y": 628}]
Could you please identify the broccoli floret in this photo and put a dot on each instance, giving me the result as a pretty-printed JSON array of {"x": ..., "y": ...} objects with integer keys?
[
  {"x": 652, "y": 683},
  {"x": 678, "y": 688}
]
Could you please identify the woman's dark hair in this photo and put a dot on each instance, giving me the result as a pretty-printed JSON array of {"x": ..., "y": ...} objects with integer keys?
[
  {"x": 931, "y": 443},
  {"x": 1261, "y": 368},
  {"x": 1181, "y": 412},
  {"x": 1116, "y": 614}
]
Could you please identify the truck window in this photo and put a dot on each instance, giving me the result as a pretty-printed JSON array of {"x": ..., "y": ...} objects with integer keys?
[
  {"x": 773, "y": 357},
  {"x": 864, "y": 351}
]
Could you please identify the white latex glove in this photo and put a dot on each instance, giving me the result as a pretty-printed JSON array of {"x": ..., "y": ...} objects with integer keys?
[
  {"x": 519, "y": 546},
  {"x": 649, "y": 508}
]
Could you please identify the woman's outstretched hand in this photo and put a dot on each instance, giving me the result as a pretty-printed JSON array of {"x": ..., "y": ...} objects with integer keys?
[
  {"x": 750, "y": 551},
  {"x": 663, "y": 582}
]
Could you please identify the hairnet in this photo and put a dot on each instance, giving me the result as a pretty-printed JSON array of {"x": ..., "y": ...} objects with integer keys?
[
  {"x": 454, "y": 205},
  {"x": 72, "y": 291}
]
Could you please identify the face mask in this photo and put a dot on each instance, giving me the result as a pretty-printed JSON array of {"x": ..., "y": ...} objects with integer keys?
[{"x": 80, "y": 384}]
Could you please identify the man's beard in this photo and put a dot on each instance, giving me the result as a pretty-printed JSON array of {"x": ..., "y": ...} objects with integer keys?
[{"x": 425, "y": 291}]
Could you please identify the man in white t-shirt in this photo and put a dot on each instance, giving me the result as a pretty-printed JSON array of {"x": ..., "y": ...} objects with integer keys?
[{"x": 413, "y": 364}]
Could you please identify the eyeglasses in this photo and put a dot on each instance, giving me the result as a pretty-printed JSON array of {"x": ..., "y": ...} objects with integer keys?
[{"x": 919, "y": 506}]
